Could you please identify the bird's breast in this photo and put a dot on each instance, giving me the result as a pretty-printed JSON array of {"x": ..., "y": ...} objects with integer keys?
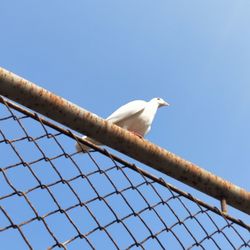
[{"x": 140, "y": 124}]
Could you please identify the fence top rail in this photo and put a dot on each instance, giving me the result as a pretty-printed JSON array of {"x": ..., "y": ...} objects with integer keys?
[{"x": 41, "y": 100}]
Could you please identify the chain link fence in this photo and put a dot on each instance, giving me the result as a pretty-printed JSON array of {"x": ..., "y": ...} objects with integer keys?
[{"x": 53, "y": 197}]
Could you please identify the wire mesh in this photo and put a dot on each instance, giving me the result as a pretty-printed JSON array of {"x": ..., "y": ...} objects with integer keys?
[{"x": 53, "y": 197}]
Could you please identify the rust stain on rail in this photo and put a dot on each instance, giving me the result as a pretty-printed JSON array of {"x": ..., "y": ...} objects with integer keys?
[{"x": 76, "y": 118}]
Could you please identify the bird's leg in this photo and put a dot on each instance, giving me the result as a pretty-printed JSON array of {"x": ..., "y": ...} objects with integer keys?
[{"x": 137, "y": 134}]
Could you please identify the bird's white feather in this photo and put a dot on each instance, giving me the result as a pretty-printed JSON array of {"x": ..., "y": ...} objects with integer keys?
[{"x": 126, "y": 111}]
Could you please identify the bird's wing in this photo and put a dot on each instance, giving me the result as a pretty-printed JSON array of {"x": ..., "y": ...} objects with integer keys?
[{"x": 127, "y": 111}]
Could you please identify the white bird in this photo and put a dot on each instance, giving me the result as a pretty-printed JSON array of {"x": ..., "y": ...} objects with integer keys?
[{"x": 136, "y": 117}]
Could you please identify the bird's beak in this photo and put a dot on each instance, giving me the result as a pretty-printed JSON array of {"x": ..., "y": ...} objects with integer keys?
[{"x": 164, "y": 104}]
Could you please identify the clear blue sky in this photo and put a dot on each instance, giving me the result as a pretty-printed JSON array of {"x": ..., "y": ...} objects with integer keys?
[{"x": 102, "y": 54}]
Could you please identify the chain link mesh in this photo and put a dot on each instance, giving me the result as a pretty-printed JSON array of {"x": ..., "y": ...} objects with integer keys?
[{"x": 53, "y": 197}]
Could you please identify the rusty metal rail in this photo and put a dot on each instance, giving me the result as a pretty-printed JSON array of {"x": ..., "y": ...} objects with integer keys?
[{"x": 76, "y": 118}]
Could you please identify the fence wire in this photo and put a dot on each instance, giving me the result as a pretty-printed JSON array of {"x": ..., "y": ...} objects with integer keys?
[{"x": 53, "y": 197}]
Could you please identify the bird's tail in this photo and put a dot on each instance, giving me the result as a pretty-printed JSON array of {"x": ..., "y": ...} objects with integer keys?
[{"x": 84, "y": 148}]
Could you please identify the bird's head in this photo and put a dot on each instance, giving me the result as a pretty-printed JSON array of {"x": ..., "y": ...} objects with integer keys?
[{"x": 160, "y": 102}]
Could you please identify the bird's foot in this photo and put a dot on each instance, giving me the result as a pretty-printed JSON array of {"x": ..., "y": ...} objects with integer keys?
[{"x": 137, "y": 134}]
